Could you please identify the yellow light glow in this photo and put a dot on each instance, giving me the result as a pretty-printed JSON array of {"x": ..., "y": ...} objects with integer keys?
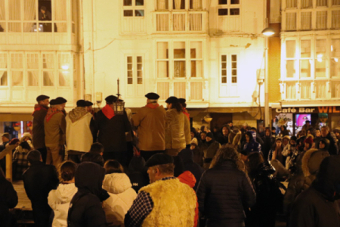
[
  {"x": 65, "y": 66},
  {"x": 319, "y": 56},
  {"x": 332, "y": 48},
  {"x": 319, "y": 59},
  {"x": 336, "y": 59}
]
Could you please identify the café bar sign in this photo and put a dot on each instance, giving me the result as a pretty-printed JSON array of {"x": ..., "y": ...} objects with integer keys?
[{"x": 320, "y": 109}]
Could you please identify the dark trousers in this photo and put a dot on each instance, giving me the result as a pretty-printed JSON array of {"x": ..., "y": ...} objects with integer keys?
[
  {"x": 147, "y": 154},
  {"x": 41, "y": 214},
  {"x": 43, "y": 152}
]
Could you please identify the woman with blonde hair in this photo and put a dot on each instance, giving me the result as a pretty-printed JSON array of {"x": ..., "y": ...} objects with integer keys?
[{"x": 225, "y": 191}]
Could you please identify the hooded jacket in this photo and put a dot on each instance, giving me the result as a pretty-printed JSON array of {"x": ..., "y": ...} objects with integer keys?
[
  {"x": 186, "y": 156},
  {"x": 86, "y": 207},
  {"x": 252, "y": 145},
  {"x": 188, "y": 178},
  {"x": 137, "y": 173},
  {"x": 315, "y": 206},
  {"x": 122, "y": 195},
  {"x": 78, "y": 132},
  {"x": 59, "y": 200}
]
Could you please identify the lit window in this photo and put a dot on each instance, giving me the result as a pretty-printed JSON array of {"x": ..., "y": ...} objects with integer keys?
[
  {"x": 133, "y": 8},
  {"x": 17, "y": 69},
  {"x": 134, "y": 69},
  {"x": 32, "y": 69},
  {"x": 229, "y": 7},
  {"x": 321, "y": 20},
  {"x": 290, "y": 21},
  {"x": 321, "y": 2},
  {"x": 335, "y": 58},
  {"x": 229, "y": 69},
  {"x": 3, "y": 70},
  {"x": 306, "y": 4},
  {"x": 291, "y": 3},
  {"x": 320, "y": 61},
  {"x": 336, "y": 19},
  {"x": 306, "y": 20}
]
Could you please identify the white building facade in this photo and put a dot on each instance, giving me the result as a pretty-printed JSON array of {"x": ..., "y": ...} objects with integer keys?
[{"x": 210, "y": 52}]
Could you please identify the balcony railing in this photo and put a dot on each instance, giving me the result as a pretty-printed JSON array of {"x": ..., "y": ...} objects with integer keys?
[
  {"x": 310, "y": 90},
  {"x": 176, "y": 21}
]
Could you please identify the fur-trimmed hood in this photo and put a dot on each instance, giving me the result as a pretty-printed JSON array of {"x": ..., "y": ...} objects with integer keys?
[{"x": 311, "y": 161}]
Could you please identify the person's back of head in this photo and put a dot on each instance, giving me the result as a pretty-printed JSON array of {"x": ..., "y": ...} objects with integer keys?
[
  {"x": 92, "y": 157},
  {"x": 254, "y": 160},
  {"x": 67, "y": 171},
  {"x": 97, "y": 148},
  {"x": 113, "y": 166},
  {"x": 225, "y": 153},
  {"x": 34, "y": 157}
]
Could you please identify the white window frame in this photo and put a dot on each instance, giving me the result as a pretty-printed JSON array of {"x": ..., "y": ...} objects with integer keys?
[
  {"x": 133, "y": 7},
  {"x": 229, "y": 6},
  {"x": 229, "y": 89}
]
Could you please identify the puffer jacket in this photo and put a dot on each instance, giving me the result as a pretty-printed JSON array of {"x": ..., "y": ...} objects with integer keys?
[
  {"x": 223, "y": 193},
  {"x": 122, "y": 195},
  {"x": 59, "y": 200},
  {"x": 177, "y": 130}
]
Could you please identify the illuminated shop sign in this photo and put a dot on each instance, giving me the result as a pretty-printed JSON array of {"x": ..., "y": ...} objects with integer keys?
[{"x": 321, "y": 109}]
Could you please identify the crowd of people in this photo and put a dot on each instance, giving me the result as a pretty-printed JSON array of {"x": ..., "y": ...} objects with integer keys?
[{"x": 115, "y": 168}]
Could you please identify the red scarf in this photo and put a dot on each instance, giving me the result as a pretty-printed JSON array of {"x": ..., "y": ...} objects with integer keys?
[
  {"x": 51, "y": 112},
  {"x": 152, "y": 106},
  {"x": 38, "y": 107},
  {"x": 108, "y": 111},
  {"x": 186, "y": 113}
]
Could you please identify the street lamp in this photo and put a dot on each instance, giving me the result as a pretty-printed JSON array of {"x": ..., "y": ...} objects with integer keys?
[{"x": 267, "y": 32}]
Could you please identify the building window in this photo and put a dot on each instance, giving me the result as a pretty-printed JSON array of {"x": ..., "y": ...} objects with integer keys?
[
  {"x": 32, "y": 73},
  {"x": 3, "y": 69},
  {"x": 133, "y": 8},
  {"x": 291, "y": 21},
  {"x": 321, "y": 20},
  {"x": 305, "y": 59},
  {"x": 321, "y": 2},
  {"x": 134, "y": 69},
  {"x": 306, "y": 4},
  {"x": 229, "y": 69},
  {"x": 335, "y": 57},
  {"x": 306, "y": 20},
  {"x": 229, "y": 7},
  {"x": 336, "y": 2},
  {"x": 17, "y": 69},
  {"x": 336, "y": 19},
  {"x": 291, "y": 3},
  {"x": 320, "y": 61},
  {"x": 48, "y": 69},
  {"x": 291, "y": 59},
  {"x": 162, "y": 60}
]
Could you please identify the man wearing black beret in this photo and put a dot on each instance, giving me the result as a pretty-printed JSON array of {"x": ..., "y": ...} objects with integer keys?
[
  {"x": 40, "y": 111},
  {"x": 55, "y": 132},
  {"x": 150, "y": 121},
  {"x": 62, "y": 101},
  {"x": 78, "y": 132},
  {"x": 166, "y": 197},
  {"x": 111, "y": 129}
]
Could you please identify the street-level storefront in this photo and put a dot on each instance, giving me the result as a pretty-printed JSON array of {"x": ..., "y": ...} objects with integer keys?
[{"x": 295, "y": 117}]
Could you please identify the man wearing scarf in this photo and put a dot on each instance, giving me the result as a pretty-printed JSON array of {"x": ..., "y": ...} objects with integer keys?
[
  {"x": 55, "y": 129},
  {"x": 78, "y": 133},
  {"x": 39, "y": 114},
  {"x": 150, "y": 121},
  {"x": 111, "y": 129}
]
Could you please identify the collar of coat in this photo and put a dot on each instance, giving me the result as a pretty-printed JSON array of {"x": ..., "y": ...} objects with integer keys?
[
  {"x": 51, "y": 112},
  {"x": 38, "y": 107},
  {"x": 77, "y": 113}
]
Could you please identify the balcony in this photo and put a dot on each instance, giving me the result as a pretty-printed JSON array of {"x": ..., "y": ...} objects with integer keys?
[
  {"x": 301, "y": 90},
  {"x": 179, "y": 21}
]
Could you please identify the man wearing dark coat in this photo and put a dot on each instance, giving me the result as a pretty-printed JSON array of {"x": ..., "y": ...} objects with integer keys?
[
  {"x": 39, "y": 179},
  {"x": 110, "y": 129},
  {"x": 39, "y": 114}
]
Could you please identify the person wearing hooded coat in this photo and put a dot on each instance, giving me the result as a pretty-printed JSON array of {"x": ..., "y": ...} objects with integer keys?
[
  {"x": 86, "y": 206},
  {"x": 250, "y": 145},
  {"x": 122, "y": 195},
  {"x": 8, "y": 199},
  {"x": 209, "y": 150},
  {"x": 186, "y": 156},
  {"x": 268, "y": 142},
  {"x": 316, "y": 206}
]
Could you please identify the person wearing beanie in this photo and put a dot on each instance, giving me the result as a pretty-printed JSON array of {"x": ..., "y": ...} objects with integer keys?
[
  {"x": 38, "y": 131},
  {"x": 316, "y": 205},
  {"x": 55, "y": 132},
  {"x": 150, "y": 122},
  {"x": 308, "y": 143},
  {"x": 177, "y": 128},
  {"x": 111, "y": 129},
  {"x": 78, "y": 132},
  {"x": 157, "y": 202},
  {"x": 209, "y": 148}
]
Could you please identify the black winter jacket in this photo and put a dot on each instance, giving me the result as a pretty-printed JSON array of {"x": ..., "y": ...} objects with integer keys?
[
  {"x": 111, "y": 131},
  {"x": 223, "y": 194},
  {"x": 8, "y": 199},
  {"x": 86, "y": 205}
]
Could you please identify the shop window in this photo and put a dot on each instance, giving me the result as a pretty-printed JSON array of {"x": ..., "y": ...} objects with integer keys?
[
  {"x": 336, "y": 19},
  {"x": 306, "y": 20},
  {"x": 321, "y": 20},
  {"x": 133, "y": 8},
  {"x": 290, "y": 21}
]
